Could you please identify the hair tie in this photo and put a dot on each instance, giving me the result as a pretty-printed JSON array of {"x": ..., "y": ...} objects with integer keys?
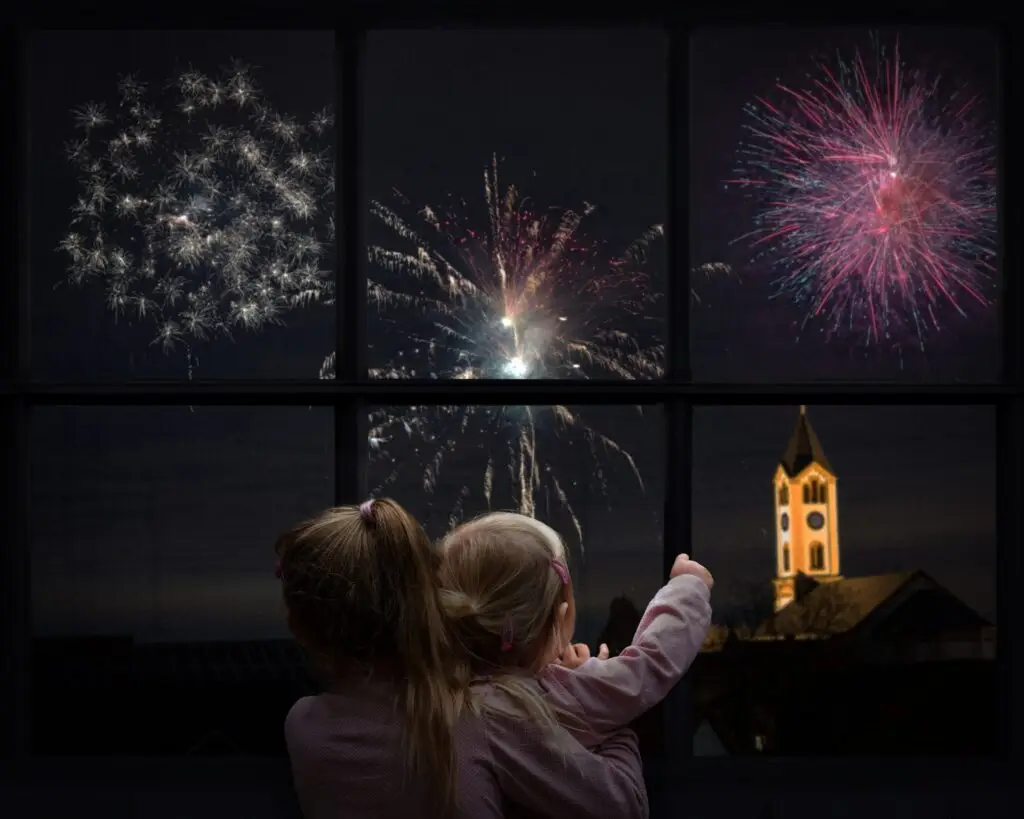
[
  {"x": 561, "y": 570},
  {"x": 506, "y": 636},
  {"x": 366, "y": 511}
]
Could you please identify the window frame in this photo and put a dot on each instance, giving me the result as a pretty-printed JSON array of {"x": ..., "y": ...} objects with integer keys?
[{"x": 353, "y": 391}]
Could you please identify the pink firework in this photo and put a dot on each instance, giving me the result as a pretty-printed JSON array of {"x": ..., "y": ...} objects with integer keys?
[{"x": 877, "y": 196}]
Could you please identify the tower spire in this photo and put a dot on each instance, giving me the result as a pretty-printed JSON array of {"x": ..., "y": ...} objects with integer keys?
[{"x": 804, "y": 447}]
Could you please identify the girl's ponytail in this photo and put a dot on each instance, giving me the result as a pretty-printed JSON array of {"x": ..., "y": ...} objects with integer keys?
[
  {"x": 428, "y": 703},
  {"x": 361, "y": 587}
]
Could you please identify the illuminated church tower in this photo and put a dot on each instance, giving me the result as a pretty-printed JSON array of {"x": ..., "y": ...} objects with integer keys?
[{"x": 806, "y": 514}]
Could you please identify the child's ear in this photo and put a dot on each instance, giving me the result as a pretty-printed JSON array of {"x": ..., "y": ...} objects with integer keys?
[{"x": 562, "y": 617}]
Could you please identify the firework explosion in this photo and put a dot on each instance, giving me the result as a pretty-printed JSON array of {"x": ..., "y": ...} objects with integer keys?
[
  {"x": 201, "y": 208},
  {"x": 525, "y": 297},
  {"x": 876, "y": 191}
]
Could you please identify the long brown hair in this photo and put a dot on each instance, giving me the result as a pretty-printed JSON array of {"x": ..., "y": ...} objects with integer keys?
[{"x": 360, "y": 585}]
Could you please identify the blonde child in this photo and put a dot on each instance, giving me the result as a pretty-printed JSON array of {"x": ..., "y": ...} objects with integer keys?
[
  {"x": 508, "y": 593},
  {"x": 394, "y": 735}
]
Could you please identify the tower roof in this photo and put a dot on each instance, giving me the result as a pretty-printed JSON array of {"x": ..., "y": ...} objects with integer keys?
[{"x": 804, "y": 448}]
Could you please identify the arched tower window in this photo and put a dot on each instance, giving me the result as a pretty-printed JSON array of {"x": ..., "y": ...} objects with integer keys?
[
  {"x": 824, "y": 493},
  {"x": 807, "y": 493},
  {"x": 785, "y": 558},
  {"x": 817, "y": 557},
  {"x": 783, "y": 495}
]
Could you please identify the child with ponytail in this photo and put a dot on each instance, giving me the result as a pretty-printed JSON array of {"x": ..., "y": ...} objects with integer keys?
[
  {"x": 508, "y": 594},
  {"x": 391, "y": 736}
]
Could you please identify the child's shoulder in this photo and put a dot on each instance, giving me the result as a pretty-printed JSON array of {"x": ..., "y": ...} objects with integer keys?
[
  {"x": 301, "y": 710},
  {"x": 494, "y": 699}
]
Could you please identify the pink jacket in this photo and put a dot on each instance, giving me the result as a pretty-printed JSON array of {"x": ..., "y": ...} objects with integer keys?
[
  {"x": 605, "y": 695},
  {"x": 347, "y": 761},
  {"x": 347, "y": 757}
]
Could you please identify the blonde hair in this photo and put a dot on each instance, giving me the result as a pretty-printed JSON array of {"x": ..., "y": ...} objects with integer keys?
[
  {"x": 360, "y": 585},
  {"x": 501, "y": 595}
]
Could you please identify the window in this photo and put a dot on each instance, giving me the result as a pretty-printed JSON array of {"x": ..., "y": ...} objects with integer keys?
[
  {"x": 451, "y": 463},
  {"x": 765, "y": 186},
  {"x": 572, "y": 119},
  {"x": 195, "y": 176},
  {"x": 918, "y": 521},
  {"x": 817, "y": 557},
  {"x": 153, "y": 573},
  {"x": 573, "y": 210}
]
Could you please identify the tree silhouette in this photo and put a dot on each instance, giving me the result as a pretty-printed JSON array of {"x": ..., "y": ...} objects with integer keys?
[
  {"x": 623, "y": 619},
  {"x": 756, "y": 608},
  {"x": 826, "y": 611}
]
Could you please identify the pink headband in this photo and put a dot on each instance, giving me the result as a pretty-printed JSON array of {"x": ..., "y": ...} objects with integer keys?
[{"x": 561, "y": 570}]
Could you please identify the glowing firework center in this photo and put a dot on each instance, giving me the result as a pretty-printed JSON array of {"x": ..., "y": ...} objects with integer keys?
[{"x": 523, "y": 348}]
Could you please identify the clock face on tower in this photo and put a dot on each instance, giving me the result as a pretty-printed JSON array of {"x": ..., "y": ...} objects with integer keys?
[
  {"x": 815, "y": 520},
  {"x": 784, "y": 522}
]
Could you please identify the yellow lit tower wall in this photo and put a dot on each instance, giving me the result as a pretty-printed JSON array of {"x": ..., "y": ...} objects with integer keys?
[{"x": 806, "y": 505}]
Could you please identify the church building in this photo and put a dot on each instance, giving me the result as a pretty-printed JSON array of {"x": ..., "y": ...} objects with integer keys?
[{"x": 806, "y": 514}]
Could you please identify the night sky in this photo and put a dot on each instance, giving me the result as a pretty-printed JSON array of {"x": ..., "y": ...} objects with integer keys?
[
  {"x": 160, "y": 521},
  {"x": 742, "y": 336}
]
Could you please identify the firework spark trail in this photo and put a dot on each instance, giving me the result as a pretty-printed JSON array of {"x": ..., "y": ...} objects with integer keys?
[
  {"x": 526, "y": 297},
  {"x": 876, "y": 191},
  {"x": 201, "y": 208},
  {"x": 706, "y": 273}
]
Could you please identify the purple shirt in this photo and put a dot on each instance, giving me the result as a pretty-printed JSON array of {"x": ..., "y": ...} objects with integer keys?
[
  {"x": 348, "y": 763},
  {"x": 347, "y": 758},
  {"x": 604, "y": 695}
]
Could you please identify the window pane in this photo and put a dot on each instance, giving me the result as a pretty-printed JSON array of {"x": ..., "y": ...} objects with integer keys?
[
  {"x": 843, "y": 205},
  {"x": 154, "y": 595},
  {"x": 182, "y": 189},
  {"x": 592, "y": 473},
  {"x": 854, "y": 552},
  {"x": 517, "y": 181}
]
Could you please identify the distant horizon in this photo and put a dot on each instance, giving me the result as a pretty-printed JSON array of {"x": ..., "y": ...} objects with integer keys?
[{"x": 589, "y": 624}]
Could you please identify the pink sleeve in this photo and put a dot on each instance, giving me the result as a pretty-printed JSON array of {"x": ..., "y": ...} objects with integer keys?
[
  {"x": 565, "y": 779},
  {"x": 602, "y": 696}
]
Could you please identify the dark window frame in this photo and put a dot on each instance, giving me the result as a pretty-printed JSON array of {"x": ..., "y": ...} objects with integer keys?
[{"x": 352, "y": 391}]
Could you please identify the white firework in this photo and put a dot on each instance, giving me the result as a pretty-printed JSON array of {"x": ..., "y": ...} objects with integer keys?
[{"x": 201, "y": 208}]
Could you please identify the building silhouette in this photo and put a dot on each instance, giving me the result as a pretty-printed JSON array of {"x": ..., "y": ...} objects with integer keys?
[{"x": 843, "y": 664}]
